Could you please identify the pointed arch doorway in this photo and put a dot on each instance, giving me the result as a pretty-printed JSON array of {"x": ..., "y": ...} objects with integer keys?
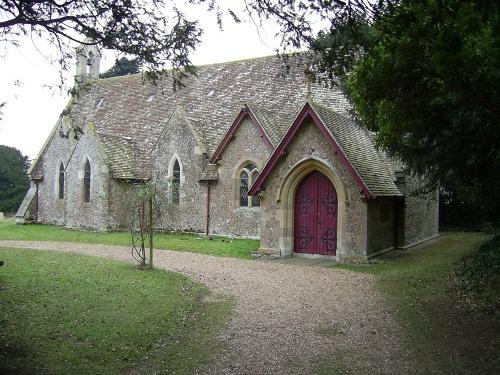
[{"x": 315, "y": 216}]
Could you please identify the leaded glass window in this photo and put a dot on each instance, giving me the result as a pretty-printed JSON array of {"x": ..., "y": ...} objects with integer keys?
[
  {"x": 86, "y": 182},
  {"x": 243, "y": 189},
  {"x": 61, "y": 181},
  {"x": 247, "y": 176},
  {"x": 176, "y": 182},
  {"x": 255, "y": 198}
]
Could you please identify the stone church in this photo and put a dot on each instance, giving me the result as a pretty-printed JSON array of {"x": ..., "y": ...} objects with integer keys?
[{"x": 249, "y": 148}]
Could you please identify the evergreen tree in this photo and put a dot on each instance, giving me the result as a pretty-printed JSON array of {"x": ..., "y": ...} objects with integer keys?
[
  {"x": 14, "y": 182},
  {"x": 122, "y": 67}
]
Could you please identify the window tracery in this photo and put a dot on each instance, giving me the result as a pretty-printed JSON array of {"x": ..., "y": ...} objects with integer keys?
[{"x": 247, "y": 176}]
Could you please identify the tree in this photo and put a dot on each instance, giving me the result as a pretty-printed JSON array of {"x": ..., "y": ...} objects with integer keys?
[
  {"x": 429, "y": 85},
  {"x": 13, "y": 179},
  {"x": 422, "y": 74},
  {"x": 122, "y": 67},
  {"x": 148, "y": 201},
  {"x": 157, "y": 32},
  {"x": 139, "y": 28}
]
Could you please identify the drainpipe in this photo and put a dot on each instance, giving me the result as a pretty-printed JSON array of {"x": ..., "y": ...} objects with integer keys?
[{"x": 207, "y": 231}]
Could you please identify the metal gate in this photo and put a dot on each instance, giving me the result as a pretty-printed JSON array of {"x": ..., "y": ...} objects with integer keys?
[{"x": 315, "y": 213}]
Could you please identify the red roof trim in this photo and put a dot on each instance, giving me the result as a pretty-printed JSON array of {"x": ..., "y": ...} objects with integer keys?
[
  {"x": 307, "y": 112},
  {"x": 230, "y": 134}
]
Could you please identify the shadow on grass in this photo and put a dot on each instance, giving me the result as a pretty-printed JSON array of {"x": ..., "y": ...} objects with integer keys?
[
  {"x": 418, "y": 283},
  {"x": 74, "y": 314}
]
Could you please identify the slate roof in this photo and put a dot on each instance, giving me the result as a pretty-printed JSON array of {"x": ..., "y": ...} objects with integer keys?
[
  {"x": 369, "y": 167},
  {"x": 124, "y": 158},
  {"x": 357, "y": 144},
  {"x": 274, "y": 123},
  {"x": 210, "y": 173},
  {"x": 129, "y": 108},
  {"x": 130, "y": 114}
]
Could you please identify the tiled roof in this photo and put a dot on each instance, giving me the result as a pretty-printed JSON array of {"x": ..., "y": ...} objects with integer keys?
[
  {"x": 124, "y": 159},
  {"x": 210, "y": 173},
  {"x": 357, "y": 144},
  {"x": 273, "y": 123},
  {"x": 129, "y": 108}
]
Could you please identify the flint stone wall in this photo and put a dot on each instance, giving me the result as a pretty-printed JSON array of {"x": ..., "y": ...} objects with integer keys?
[
  {"x": 227, "y": 217},
  {"x": 178, "y": 142},
  {"x": 309, "y": 143}
]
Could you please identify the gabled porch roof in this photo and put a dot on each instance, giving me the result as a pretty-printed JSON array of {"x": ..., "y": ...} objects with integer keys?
[{"x": 351, "y": 144}]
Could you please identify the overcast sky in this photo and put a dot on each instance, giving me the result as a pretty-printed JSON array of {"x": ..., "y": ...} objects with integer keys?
[{"x": 32, "y": 108}]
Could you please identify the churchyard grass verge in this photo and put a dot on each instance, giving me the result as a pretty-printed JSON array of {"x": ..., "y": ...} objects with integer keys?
[
  {"x": 213, "y": 245},
  {"x": 73, "y": 314},
  {"x": 419, "y": 285}
]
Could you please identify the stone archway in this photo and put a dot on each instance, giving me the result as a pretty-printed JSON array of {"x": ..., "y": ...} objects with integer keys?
[{"x": 286, "y": 199}]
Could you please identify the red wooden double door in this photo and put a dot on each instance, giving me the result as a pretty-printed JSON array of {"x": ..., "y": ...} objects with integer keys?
[{"x": 315, "y": 214}]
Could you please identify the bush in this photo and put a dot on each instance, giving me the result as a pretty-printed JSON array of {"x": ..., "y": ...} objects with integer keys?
[{"x": 478, "y": 278}]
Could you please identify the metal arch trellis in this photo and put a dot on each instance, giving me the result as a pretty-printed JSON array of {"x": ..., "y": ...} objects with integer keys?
[{"x": 141, "y": 228}]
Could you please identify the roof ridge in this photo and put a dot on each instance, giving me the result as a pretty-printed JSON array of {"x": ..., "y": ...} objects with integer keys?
[{"x": 208, "y": 65}]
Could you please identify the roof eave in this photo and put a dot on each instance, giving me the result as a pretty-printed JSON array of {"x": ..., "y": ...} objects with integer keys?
[
  {"x": 230, "y": 134},
  {"x": 307, "y": 111}
]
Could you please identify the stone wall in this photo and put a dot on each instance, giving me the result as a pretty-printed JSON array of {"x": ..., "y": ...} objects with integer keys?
[
  {"x": 51, "y": 209},
  {"x": 381, "y": 225},
  {"x": 309, "y": 149},
  {"x": 92, "y": 214},
  {"x": 421, "y": 212},
  {"x": 72, "y": 211},
  {"x": 178, "y": 142},
  {"x": 227, "y": 217},
  {"x": 123, "y": 196}
]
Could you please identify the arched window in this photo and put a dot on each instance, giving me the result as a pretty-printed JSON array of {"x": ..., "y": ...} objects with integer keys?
[
  {"x": 86, "y": 182},
  {"x": 247, "y": 176},
  {"x": 61, "y": 181},
  {"x": 244, "y": 189},
  {"x": 176, "y": 182}
]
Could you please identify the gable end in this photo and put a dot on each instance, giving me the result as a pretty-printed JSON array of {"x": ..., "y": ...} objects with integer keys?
[
  {"x": 231, "y": 133},
  {"x": 307, "y": 112}
]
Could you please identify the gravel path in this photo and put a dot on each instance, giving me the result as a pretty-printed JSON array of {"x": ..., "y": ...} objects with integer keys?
[{"x": 289, "y": 318}]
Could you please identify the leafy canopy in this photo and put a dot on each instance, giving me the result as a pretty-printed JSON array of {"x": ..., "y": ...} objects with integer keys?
[
  {"x": 155, "y": 32},
  {"x": 13, "y": 179},
  {"x": 122, "y": 67},
  {"x": 429, "y": 85}
]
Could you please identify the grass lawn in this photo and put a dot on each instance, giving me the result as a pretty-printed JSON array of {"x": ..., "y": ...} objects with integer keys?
[
  {"x": 444, "y": 337},
  {"x": 219, "y": 246},
  {"x": 72, "y": 314}
]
